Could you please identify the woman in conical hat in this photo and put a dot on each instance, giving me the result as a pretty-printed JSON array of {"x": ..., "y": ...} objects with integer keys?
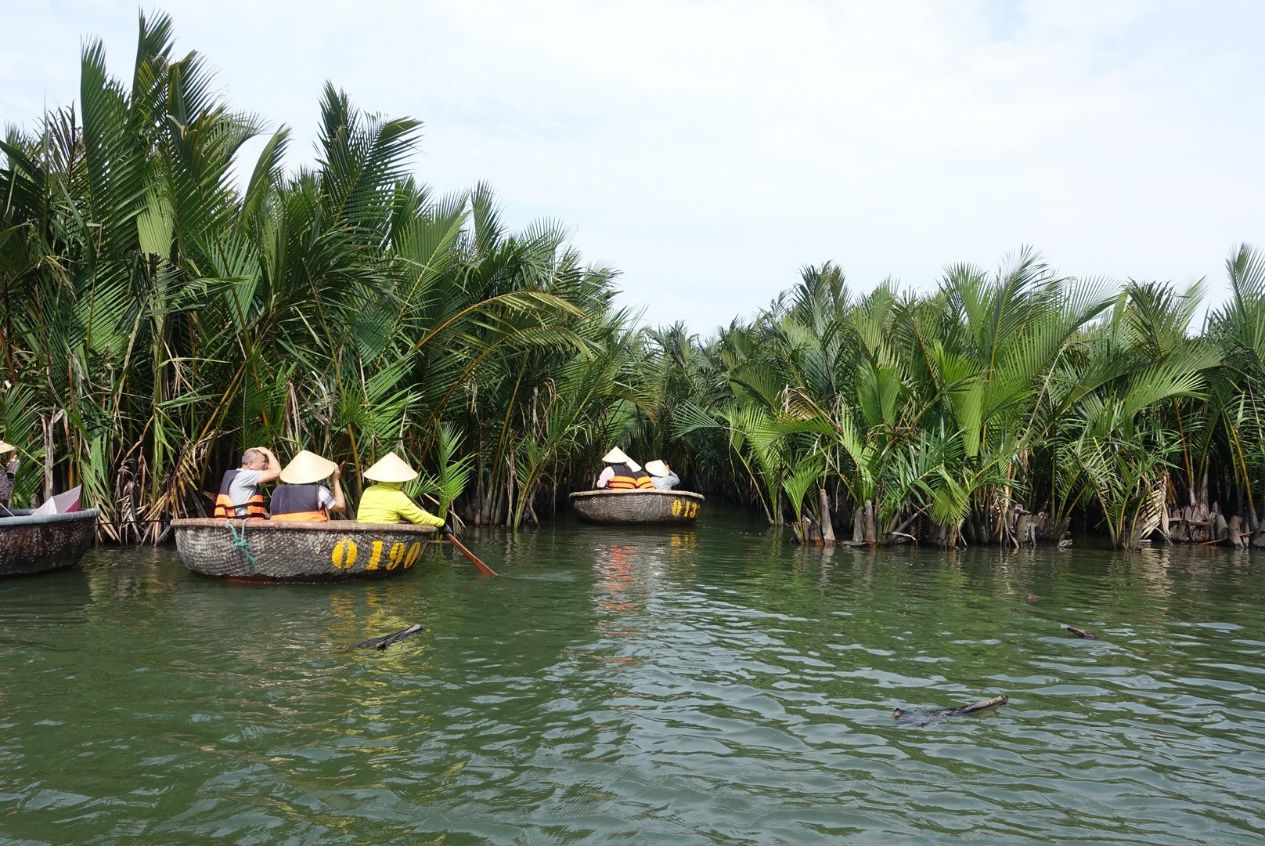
[
  {"x": 391, "y": 468},
  {"x": 10, "y": 470},
  {"x": 618, "y": 456},
  {"x": 386, "y": 501},
  {"x": 301, "y": 497},
  {"x": 661, "y": 475},
  {"x": 622, "y": 473}
]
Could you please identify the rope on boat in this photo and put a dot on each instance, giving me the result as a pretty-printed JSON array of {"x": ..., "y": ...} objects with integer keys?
[{"x": 239, "y": 541}]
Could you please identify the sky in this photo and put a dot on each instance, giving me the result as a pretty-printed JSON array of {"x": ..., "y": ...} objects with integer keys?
[{"x": 710, "y": 150}]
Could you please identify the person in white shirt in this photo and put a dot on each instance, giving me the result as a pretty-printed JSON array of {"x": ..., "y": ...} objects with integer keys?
[
  {"x": 302, "y": 496},
  {"x": 661, "y": 475},
  {"x": 239, "y": 494}
]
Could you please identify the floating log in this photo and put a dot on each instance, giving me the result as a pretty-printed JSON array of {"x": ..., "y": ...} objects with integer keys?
[
  {"x": 922, "y": 718},
  {"x": 384, "y": 641},
  {"x": 1081, "y": 633}
]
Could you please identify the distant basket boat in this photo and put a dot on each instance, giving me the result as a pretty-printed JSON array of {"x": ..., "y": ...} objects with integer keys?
[
  {"x": 33, "y": 543},
  {"x": 666, "y": 508},
  {"x": 298, "y": 552}
]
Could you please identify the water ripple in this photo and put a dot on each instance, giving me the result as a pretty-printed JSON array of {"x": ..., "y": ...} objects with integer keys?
[{"x": 716, "y": 686}]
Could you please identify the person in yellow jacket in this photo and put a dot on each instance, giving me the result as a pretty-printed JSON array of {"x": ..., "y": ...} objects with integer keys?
[{"x": 386, "y": 501}]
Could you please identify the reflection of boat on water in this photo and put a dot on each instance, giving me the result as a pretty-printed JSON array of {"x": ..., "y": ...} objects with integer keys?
[
  {"x": 33, "y": 543},
  {"x": 664, "y": 508},
  {"x": 265, "y": 551}
]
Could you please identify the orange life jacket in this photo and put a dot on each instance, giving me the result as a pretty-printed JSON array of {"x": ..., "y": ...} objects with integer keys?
[
  {"x": 224, "y": 506},
  {"x": 298, "y": 504},
  {"x": 625, "y": 479}
]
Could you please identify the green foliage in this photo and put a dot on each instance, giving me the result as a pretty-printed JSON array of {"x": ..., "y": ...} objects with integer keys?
[
  {"x": 173, "y": 319},
  {"x": 944, "y": 414}
]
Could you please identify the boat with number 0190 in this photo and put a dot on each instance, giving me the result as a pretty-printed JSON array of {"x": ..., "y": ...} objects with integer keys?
[
  {"x": 260, "y": 550},
  {"x": 662, "y": 508}
]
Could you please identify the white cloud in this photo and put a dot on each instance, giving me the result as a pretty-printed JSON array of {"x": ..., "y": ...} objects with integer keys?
[{"x": 709, "y": 149}]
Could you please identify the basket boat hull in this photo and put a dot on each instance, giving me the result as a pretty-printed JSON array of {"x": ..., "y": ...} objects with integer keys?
[
  {"x": 638, "y": 508},
  {"x": 259, "y": 550},
  {"x": 47, "y": 542}
]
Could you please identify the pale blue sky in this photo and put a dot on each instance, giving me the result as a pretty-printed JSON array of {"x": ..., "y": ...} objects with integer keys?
[{"x": 709, "y": 149}]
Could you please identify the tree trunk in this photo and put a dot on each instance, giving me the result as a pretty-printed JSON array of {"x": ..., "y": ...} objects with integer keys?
[
  {"x": 1026, "y": 529},
  {"x": 48, "y": 457},
  {"x": 806, "y": 530},
  {"x": 1234, "y": 533},
  {"x": 827, "y": 527}
]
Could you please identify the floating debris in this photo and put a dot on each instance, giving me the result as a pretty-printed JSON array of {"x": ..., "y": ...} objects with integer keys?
[
  {"x": 924, "y": 718},
  {"x": 386, "y": 640},
  {"x": 1082, "y": 634}
]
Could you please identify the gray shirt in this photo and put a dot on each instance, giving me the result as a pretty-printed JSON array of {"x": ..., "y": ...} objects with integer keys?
[
  {"x": 244, "y": 485},
  {"x": 665, "y": 483}
]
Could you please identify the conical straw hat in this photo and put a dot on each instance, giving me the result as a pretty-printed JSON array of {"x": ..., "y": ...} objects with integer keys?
[
  {"x": 307, "y": 468},
  {"x": 618, "y": 456},
  {"x": 657, "y": 468},
  {"x": 391, "y": 468},
  {"x": 6, "y": 447}
]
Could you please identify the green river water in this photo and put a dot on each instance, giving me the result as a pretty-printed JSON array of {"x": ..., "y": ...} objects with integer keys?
[{"x": 710, "y": 686}]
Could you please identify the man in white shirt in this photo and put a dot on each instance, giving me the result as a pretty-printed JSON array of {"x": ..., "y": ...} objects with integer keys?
[{"x": 239, "y": 489}]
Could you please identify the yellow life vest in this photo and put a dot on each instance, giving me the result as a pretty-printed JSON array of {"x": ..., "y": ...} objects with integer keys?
[{"x": 626, "y": 479}]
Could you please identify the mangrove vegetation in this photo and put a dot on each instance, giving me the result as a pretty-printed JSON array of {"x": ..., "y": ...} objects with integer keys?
[{"x": 167, "y": 303}]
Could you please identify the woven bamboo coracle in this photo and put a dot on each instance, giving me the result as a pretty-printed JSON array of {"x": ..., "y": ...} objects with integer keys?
[
  {"x": 46, "y": 542},
  {"x": 298, "y": 552},
  {"x": 664, "y": 508}
]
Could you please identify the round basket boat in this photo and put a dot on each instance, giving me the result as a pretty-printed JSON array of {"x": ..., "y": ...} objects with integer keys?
[
  {"x": 35, "y": 543},
  {"x": 663, "y": 508},
  {"x": 298, "y": 552}
]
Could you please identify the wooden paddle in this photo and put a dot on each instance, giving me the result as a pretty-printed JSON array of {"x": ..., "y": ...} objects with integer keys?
[{"x": 483, "y": 568}]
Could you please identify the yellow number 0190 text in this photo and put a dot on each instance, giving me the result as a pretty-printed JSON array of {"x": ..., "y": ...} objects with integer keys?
[{"x": 398, "y": 554}]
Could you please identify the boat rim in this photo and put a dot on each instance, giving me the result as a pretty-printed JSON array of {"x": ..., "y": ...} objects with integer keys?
[
  {"x": 24, "y": 517},
  {"x": 673, "y": 493},
  {"x": 341, "y": 526}
]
